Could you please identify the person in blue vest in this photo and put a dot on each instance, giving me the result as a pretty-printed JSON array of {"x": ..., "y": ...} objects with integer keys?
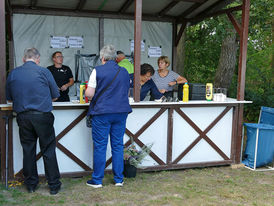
[
  {"x": 107, "y": 89},
  {"x": 32, "y": 89}
]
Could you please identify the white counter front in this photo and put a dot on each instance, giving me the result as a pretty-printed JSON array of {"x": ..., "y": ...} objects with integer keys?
[{"x": 191, "y": 134}]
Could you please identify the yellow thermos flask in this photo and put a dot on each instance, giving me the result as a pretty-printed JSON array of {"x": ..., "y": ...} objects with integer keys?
[
  {"x": 82, "y": 88},
  {"x": 185, "y": 92},
  {"x": 209, "y": 91}
]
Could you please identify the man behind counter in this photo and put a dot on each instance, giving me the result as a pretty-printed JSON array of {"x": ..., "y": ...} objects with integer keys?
[{"x": 62, "y": 75}]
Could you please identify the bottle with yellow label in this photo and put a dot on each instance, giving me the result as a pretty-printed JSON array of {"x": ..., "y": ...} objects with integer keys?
[
  {"x": 82, "y": 88},
  {"x": 185, "y": 92},
  {"x": 209, "y": 91}
]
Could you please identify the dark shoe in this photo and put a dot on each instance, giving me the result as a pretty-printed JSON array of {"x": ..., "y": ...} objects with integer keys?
[
  {"x": 54, "y": 191},
  {"x": 92, "y": 184},
  {"x": 31, "y": 189}
]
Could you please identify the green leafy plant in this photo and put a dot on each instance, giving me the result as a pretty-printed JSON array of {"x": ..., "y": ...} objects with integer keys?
[{"x": 134, "y": 156}]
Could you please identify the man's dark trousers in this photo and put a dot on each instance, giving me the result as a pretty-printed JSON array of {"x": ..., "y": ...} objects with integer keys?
[{"x": 32, "y": 125}]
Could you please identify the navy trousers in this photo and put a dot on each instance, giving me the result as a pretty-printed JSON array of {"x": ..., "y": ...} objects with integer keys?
[
  {"x": 31, "y": 126},
  {"x": 104, "y": 126}
]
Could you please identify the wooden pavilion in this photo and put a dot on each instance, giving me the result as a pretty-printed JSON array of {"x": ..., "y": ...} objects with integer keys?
[{"x": 181, "y": 13}]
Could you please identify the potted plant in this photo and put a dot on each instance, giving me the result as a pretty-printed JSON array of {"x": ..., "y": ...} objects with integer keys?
[{"x": 133, "y": 158}]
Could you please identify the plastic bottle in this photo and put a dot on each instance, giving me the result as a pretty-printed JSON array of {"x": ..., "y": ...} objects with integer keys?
[
  {"x": 209, "y": 91},
  {"x": 185, "y": 92},
  {"x": 82, "y": 88}
]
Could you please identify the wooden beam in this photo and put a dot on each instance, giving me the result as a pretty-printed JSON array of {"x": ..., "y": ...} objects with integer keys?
[
  {"x": 235, "y": 23},
  {"x": 243, "y": 49},
  {"x": 137, "y": 49},
  {"x": 125, "y": 6},
  {"x": 182, "y": 16},
  {"x": 212, "y": 9},
  {"x": 196, "y": 20},
  {"x": 241, "y": 74},
  {"x": 174, "y": 47},
  {"x": 2, "y": 53},
  {"x": 101, "y": 34},
  {"x": 167, "y": 8},
  {"x": 88, "y": 13},
  {"x": 80, "y": 5},
  {"x": 195, "y": 1},
  {"x": 181, "y": 31},
  {"x": 33, "y": 3}
]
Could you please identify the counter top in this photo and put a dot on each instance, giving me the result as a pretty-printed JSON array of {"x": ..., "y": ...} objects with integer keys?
[{"x": 149, "y": 103}]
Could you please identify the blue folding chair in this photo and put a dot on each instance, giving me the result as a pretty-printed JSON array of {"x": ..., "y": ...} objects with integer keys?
[{"x": 259, "y": 150}]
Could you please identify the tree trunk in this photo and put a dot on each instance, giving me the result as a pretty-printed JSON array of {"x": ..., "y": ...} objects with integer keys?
[{"x": 227, "y": 62}]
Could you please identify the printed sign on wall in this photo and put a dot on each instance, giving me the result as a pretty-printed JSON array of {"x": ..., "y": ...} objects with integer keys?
[{"x": 58, "y": 42}]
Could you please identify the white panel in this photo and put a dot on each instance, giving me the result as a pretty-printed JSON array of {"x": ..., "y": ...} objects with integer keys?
[
  {"x": 157, "y": 134},
  {"x": 17, "y": 148},
  {"x": 35, "y": 31},
  {"x": 139, "y": 117},
  {"x": 202, "y": 152},
  {"x": 120, "y": 32},
  {"x": 184, "y": 134}
]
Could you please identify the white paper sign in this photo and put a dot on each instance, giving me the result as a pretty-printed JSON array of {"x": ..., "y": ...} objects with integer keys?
[
  {"x": 58, "y": 42},
  {"x": 132, "y": 45},
  {"x": 154, "y": 51},
  {"x": 75, "y": 42}
]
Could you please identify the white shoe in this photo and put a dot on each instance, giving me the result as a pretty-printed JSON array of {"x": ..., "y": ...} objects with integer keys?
[{"x": 121, "y": 184}]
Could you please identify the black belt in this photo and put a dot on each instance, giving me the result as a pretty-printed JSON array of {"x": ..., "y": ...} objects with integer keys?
[{"x": 33, "y": 112}]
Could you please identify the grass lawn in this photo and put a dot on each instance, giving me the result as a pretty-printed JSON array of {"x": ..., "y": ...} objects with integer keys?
[{"x": 206, "y": 186}]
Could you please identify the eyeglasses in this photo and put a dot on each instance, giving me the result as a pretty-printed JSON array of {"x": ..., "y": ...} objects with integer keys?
[{"x": 58, "y": 57}]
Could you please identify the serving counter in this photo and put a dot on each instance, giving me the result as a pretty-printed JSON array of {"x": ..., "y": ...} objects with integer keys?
[{"x": 184, "y": 135}]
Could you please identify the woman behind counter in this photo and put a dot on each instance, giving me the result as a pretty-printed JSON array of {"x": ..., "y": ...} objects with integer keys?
[{"x": 166, "y": 79}]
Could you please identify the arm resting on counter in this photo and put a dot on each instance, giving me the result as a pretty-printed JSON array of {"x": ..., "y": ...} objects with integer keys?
[{"x": 90, "y": 92}]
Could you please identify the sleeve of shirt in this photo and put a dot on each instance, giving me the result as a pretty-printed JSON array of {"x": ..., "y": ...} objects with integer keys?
[
  {"x": 92, "y": 79},
  {"x": 70, "y": 75},
  {"x": 175, "y": 75},
  {"x": 8, "y": 94}
]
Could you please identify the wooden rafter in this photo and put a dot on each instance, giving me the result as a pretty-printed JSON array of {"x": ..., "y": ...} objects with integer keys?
[
  {"x": 181, "y": 31},
  {"x": 88, "y": 13},
  {"x": 33, "y": 3},
  {"x": 125, "y": 6},
  {"x": 182, "y": 16},
  {"x": 223, "y": 11},
  {"x": 81, "y": 5},
  {"x": 235, "y": 23},
  {"x": 167, "y": 8}
]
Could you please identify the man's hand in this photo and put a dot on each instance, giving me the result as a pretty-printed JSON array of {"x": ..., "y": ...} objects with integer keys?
[
  {"x": 64, "y": 87},
  {"x": 162, "y": 91}
]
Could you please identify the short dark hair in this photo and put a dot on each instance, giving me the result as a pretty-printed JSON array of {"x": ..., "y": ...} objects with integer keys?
[
  {"x": 120, "y": 52},
  {"x": 53, "y": 55},
  {"x": 147, "y": 68}
]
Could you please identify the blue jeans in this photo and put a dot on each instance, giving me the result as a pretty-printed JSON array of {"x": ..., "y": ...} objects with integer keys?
[{"x": 105, "y": 125}]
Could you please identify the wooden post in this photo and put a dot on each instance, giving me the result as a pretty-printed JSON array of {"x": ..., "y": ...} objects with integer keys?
[
  {"x": 174, "y": 47},
  {"x": 241, "y": 73},
  {"x": 2, "y": 53},
  {"x": 137, "y": 48},
  {"x": 101, "y": 34}
]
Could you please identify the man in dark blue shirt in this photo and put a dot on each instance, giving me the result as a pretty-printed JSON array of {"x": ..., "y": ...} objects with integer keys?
[
  {"x": 147, "y": 84},
  {"x": 32, "y": 89}
]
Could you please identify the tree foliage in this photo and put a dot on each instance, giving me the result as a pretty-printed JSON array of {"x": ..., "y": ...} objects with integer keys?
[{"x": 203, "y": 47}]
